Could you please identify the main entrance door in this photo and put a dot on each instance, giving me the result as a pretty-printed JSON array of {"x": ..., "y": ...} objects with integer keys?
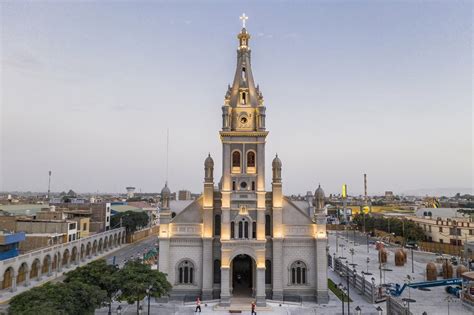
[{"x": 242, "y": 276}]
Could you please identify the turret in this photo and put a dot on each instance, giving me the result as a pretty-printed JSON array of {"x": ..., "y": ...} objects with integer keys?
[
  {"x": 319, "y": 199},
  {"x": 276, "y": 167},
  {"x": 165, "y": 197},
  {"x": 209, "y": 169}
]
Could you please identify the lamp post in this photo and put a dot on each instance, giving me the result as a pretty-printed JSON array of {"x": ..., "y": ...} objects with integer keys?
[
  {"x": 341, "y": 288},
  {"x": 348, "y": 290},
  {"x": 148, "y": 291},
  {"x": 367, "y": 243}
]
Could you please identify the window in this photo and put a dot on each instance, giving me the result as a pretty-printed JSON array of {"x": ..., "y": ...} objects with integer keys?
[
  {"x": 253, "y": 186},
  {"x": 254, "y": 229},
  {"x": 441, "y": 241},
  {"x": 251, "y": 159},
  {"x": 241, "y": 229},
  {"x": 268, "y": 225},
  {"x": 244, "y": 98},
  {"x": 108, "y": 219},
  {"x": 186, "y": 272},
  {"x": 298, "y": 273},
  {"x": 243, "y": 74},
  {"x": 232, "y": 230},
  {"x": 429, "y": 228},
  {"x": 217, "y": 225},
  {"x": 70, "y": 238},
  {"x": 246, "y": 229},
  {"x": 236, "y": 159},
  {"x": 217, "y": 271},
  {"x": 72, "y": 226},
  {"x": 268, "y": 272},
  {"x": 84, "y": 227},
  {"x": 243, "y": 185},
  {"x": 440, "y": 229},
  {"x": 233, "y": 185},
  {"x": 470, "y": 232}
]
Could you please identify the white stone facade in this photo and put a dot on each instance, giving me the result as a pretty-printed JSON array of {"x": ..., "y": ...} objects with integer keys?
[{"x": 238, "y": 239}]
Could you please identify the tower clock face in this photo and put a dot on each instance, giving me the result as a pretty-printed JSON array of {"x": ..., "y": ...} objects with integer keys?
[{"x": 244, "y": 121}]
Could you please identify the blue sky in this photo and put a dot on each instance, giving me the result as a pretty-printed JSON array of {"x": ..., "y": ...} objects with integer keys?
[{"x": 376, "y": 87}]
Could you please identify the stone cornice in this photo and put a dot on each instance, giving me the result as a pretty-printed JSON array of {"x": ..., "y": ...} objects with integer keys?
[{"x": 243, "y": 133}]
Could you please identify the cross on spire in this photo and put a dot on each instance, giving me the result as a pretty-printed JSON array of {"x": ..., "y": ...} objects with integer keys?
[{"x": 244, "y": 18}]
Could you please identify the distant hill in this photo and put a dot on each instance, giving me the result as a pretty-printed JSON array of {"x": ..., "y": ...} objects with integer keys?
[{"x": 438, "y": 192}]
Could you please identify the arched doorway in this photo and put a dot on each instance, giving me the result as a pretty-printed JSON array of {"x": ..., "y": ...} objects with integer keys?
[{"x": 243, "y": 271}]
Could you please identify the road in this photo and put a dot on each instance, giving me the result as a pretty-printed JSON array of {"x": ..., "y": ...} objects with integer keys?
[{"x": 136, "y": 250}]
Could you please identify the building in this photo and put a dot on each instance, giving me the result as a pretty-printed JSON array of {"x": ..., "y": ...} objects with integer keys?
[
  {"x": 9, "y": 244},
  {"x": 184, "y": 195},
  {"x": 237, "y": 239}
]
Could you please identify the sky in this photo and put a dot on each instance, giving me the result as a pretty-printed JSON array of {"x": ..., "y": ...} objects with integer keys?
[{"x": 89, "y": 90}]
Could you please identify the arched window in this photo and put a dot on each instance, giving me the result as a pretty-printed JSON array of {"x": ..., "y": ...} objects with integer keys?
[
  {"x": 254, "y": 229},
  {"x": 298, "y": 272},
  {"x": 236, "y": 159},
  {"x": 217, "y": 271},
  {"x": 246, "y": 229},
  {"x": 232, "y": 230},
  {"x": 173, "y": 214},
  {"x": 253, "y": 186},
  {"x": 241, "y": 229},
  {"x": 233, "y": 185},
  {"x": 244, "y": 98},
  {"x": 243, "y": 74},
  {"x": 186, "y": 272},
  {"x": 217, "y": 225},
  {"x": 250, "y": 159},
  {"x": 268, "y": 225},
  {"x": 268, "y": 272}
]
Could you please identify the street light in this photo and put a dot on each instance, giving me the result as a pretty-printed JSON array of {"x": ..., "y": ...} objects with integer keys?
[
  {"x": 119, "y": 310},
  {"x": 148, "y": 291},
  {"x": 341, "y": 288}
]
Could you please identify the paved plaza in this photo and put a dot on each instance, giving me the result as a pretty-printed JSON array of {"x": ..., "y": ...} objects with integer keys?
[{"x": 432, "y": 302}]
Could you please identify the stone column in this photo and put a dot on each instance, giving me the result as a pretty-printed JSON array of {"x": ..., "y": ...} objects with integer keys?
[
  {"x": 40, "y": 270},
  {"x": 13, "y": 288},
  {"x": 207, "y": 269},
  {"x": 261, "y": 190},
  {"x": 260, "y": 296},
  {"x": 277, "y": 269},
  {"x": 225, "y": 286},
  {"x": 321, "y": 271},
  {"x": 27, "y": 278}
]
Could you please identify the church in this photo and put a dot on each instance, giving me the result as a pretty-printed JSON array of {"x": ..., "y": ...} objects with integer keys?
[{"x": 238, "y": 239}]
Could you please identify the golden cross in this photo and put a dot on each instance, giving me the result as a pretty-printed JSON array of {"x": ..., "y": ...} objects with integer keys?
[{"x": 244, "y": 18}]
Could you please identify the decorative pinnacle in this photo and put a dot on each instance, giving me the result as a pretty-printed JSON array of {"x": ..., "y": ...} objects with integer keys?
[{"x": 244, "y": 18}]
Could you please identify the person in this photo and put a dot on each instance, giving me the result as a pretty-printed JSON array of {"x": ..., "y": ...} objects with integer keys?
[
  {"x": 253, "y": 308},
  {"x": 198, "y": 305}
]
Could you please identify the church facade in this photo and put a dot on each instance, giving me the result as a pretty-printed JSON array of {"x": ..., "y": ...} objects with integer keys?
[{"x": 238, "y": 239}]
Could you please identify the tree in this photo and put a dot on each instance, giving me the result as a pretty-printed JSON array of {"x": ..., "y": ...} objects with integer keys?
[
  {"x": 131, "y": 220},
  {"x": 137, "y": 279},
  {"x": 72, "y": 298},
  {"x": 98, "y": 273}
]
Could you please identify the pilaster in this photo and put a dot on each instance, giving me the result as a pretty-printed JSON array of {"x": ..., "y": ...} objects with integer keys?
[
  {"x": 225, "y": 286},
  {"x": 207, "y": 269}
]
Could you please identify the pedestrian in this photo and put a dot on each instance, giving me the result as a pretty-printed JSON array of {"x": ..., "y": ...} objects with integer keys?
[
  {"x": 253, "y": 308},
  {"x": 198, "y": 305}
]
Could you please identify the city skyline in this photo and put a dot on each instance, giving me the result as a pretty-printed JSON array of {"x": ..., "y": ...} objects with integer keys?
[{"x": 348, "y": 89}]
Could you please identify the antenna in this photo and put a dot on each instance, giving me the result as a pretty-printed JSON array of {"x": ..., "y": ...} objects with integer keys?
[
  {"x": 167, "y": 151},
  {"x": 49, "y": 184}
]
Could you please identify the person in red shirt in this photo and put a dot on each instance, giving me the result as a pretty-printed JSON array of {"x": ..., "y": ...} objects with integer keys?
[
  {"x": 198, "y": 305},
  {"x": 253, "y": 308}
]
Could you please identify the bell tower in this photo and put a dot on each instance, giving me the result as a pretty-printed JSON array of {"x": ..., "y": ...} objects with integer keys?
[{"x": 243, "y": 138}]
